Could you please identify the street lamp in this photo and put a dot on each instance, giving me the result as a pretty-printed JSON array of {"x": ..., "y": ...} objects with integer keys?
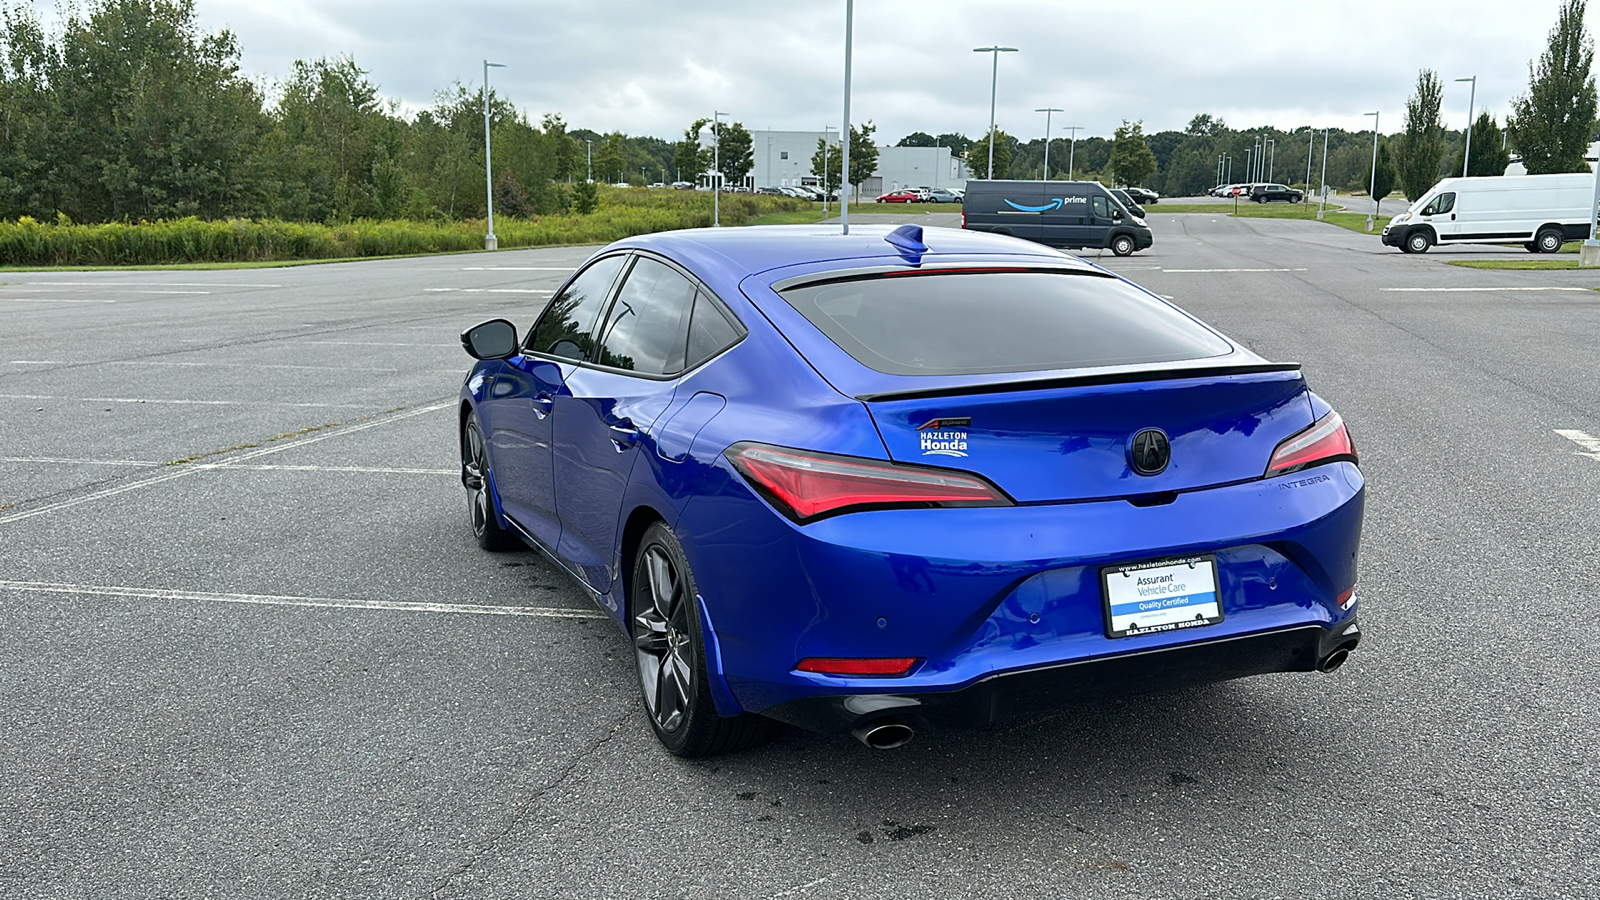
[
  {"x": 1047, "y": 111},
  {"x": 1466, "y": 151},
  {"x": 1272, "y": 156},
  {"x": 826, "y": 190},
  {"x": 844, "y": 130},
  {"x": 1372, "y": 191},
  {"x": 994, "y": 78},
  {"x": 1072, "y": 150},
  {"x": 588, "y": 155},
  {"x": 490, "y": 242},
  {"x": 1322, "y": 186},
  {"x": 716, "y": 167}
]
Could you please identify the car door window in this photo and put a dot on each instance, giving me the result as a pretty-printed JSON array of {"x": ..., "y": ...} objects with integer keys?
[
  {"x": 646, "y": 329},
  {"x": 710, "y": 331},
  {"x": 1444, "y": 203},
  {"x": 1102, "y": 209},
  {"x": 567, "y": 326}
]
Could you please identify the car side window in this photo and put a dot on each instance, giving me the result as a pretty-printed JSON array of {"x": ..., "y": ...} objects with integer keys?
[
  {"x": 567, "y": 326},
  {"x": 1444, "y": 203},
  {"x": 710, "y": 331},
  {"x": 646, "y": 328},
  {"x": 1102, "y": 209}
]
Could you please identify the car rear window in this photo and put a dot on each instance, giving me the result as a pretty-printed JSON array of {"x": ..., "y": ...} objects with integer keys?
[{"x": 971, "y": 322}]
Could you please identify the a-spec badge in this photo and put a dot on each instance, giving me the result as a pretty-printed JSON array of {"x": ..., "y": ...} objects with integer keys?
[
  {"x": 945, "y": 437},
  {"x": 1149, "y": 451}
]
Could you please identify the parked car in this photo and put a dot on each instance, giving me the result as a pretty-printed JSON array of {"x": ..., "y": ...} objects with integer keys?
[
  {"x": 809, "y": 479},
  {"x": 1540, "y": 212},
  {"x": 900, "y": 196},
  {"x": 683, "y": 185},
  {"x": 1075, "y": 214},
  {"x": 1267, "y": 193},
  {"x": 943, "y": 195},
  {"x": 1143, "y": 196},
  {"x": 1127, "y": 202}
]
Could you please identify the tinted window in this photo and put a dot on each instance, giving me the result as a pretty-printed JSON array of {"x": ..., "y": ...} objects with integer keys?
[
  {"x": 1444, "y": 202},
  {"x": 566, "y": 327},
  {"x": 645, "y": 329},
  {"x": 709, "y": 330},
  {"x": 1101, "y": 207},
  {"x": 965, "y": 323}
]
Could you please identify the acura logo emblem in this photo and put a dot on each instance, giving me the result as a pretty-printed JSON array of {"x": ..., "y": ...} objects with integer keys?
[{"x": 1149, "y": 452}]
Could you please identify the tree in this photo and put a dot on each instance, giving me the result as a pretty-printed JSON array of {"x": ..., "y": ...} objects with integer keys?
[
  {"x": 610, "y": 160},
  {"x": 1421, "y": 147},
  {"x": 958, "y": 143},
  {"x": 1386, "y": 176},
  {"x": 917, "y": 139},
  {"x": 978, "y": 155},
  {"x": 736, "y": 155},
  {"x": 688, "y": 158},
  {"x": 566, "y": 157},
  {"x": 1551, "y": 124},
  {"x": 828, "y": 164},
  {"x": 1206, "y": 125},
  {"x": 1131, "y": 159},
  {"x": 863, "y": 154}
]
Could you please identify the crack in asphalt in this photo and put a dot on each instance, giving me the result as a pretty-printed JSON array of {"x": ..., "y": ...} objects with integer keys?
[{"x": 525, "y": 808}]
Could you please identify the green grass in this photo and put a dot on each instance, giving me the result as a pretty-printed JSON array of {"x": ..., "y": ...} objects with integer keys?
[
  {"x": 802, "y": 217},
  {"x": 1541, "y": 264},
  {"x": 1352, "y": 221}
]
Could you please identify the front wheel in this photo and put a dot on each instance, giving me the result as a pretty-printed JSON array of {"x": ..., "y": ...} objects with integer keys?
[
  {"x": 1418, "y": 242},
  {"x": 480, "y": 498},
  {"x": 1549, "y": 241},
  {"x": 1122, "y": 245},
  {"x": 669, "y": 646}
]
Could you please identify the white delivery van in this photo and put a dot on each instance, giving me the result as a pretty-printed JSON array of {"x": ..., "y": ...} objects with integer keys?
[{"x": 1540, "y": 212}]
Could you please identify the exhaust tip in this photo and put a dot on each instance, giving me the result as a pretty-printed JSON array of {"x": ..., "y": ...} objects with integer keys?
[
  {"x": 884, "y": 735},
  {"x": 1334, "y": 660}
]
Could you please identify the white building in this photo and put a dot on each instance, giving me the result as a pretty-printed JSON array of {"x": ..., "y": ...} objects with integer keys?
[{"x": 783, "y": 159}]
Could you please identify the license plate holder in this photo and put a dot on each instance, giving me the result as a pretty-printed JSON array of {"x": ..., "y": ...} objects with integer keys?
[{"x": 1160, "y": 595}]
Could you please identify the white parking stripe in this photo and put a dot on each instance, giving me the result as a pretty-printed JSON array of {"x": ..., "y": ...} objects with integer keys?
[
  {"x": 190, "y": 469},
  {"x": 1583, "y": 439},
  {"x": 137, "y": 400},
  {"x": 130, "y": 593},
  {"x": 1193, "y": 271},
  {"x": 516, "y": 268},
  {"x": 69, "y": 461},
  {"x": 1474, "y": 290},
  {"x": 488, "y": 291},
  {"x": 148, "y": 464},
  {"x": 49, "y": 300},
  {"x": 147, "y": 284}
]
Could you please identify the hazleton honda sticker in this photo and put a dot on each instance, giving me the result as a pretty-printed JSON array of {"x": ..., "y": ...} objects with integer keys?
[{"x": 945, "y": 437}]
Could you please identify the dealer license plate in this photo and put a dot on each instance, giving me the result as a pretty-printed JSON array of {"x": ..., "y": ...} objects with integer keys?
[{"x": 1165, "y": 595}]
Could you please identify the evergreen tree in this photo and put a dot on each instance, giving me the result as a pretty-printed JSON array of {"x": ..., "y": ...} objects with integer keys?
[
  {"x": 1551, "y": 125},
  {"x": 688, "y": 158},
  {"x": 1131, "y": 159},
  {"x": 863, "y": 154},
  {"x": 736, "y": 156},
  {"x": 1422, "y": 145},
  {"x": 828, "y": 164},
  {"x": 1386, "y": 176},
  {"x": 978, "y": 155}
]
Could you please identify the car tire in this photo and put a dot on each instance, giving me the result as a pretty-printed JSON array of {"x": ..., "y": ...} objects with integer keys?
[
  {"x": 1548, "y": 241},
  {"x": 1122, "y": 245},
  {"x": 1418, "y": 241},
  {"x": 480, "y": 491},
  {"x": 670, "y": 658}
]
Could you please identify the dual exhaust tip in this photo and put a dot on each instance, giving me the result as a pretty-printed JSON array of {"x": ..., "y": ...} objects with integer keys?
[
  {"x": 1335, "y": 659},
  {"x": 884, "y": 734}
]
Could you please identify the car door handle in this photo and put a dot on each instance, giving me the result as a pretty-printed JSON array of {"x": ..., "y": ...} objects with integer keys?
[
  {"x": 542, "y": 405},
  {"x": 624, "y": 435}
]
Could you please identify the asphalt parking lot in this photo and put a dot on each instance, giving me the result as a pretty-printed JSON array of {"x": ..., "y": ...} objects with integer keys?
[{"x": 248, "y": 647}]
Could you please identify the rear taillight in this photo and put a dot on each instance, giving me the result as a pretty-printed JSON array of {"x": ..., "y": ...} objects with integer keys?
[
  {"x": 823, "y": 665},
  {"x": 805, "y": 485},
  {"x": 1324, "y": 442}
]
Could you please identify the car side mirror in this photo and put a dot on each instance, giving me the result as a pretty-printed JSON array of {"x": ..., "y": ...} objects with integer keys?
[
  {"x": 494, "y": 339},
  {"x": 1427, "y": 210},
  {"x": 1116, "y": 214}
]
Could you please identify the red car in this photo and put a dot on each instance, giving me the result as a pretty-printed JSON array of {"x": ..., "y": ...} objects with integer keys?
[{"x": 899, "y": 197}]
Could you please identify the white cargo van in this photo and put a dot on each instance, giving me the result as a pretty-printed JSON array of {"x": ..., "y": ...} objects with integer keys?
[{"x": 1540, "y": 212}]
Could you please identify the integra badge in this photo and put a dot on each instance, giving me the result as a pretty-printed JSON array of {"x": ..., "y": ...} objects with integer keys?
[{"x": 945, "y": 437}]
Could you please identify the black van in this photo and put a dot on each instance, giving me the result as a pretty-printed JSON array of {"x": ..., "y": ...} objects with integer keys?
[{"x": 1073, "y": 214}]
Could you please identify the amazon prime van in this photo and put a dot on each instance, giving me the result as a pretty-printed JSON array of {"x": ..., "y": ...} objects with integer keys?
[
  {"x": 1540, "y": 212},
  {"x": 1075, "y": 214}
]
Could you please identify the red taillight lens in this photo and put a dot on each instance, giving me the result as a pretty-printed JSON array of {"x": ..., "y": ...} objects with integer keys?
[
  {"x": 805, "y": 485},
  {"x": 1324, "y": 442},
  {"x": 832, "y": 666}
]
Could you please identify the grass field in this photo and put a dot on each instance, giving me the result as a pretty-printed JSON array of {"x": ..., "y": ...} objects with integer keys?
[{"x": 1534, "y": 264}]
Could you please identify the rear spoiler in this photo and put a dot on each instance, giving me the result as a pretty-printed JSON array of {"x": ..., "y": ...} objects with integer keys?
[{"x": 1088, "y": 380}]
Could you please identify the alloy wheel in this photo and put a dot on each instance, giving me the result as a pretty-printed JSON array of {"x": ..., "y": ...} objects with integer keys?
[{"x": 662, "y": 640}]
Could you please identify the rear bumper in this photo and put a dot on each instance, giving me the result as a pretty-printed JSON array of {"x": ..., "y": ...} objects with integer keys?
[{"x": 1004, "y": 695}]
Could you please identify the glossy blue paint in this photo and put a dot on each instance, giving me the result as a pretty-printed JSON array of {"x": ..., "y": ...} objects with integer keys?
[{"x": 969, "y": 592}]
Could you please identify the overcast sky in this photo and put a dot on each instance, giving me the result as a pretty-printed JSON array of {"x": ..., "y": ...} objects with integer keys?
[{"x": 649, "y": 67}]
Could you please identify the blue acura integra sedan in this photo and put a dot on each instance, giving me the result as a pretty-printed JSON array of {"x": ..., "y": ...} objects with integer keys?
[{"x": 871, "y": 482}]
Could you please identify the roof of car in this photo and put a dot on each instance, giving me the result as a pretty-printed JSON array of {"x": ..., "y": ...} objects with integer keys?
[{"x": 737, "y": 252}]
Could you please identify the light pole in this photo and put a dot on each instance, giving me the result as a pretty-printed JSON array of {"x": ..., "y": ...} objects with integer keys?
[
  {"x": 1466, "y": 151},
  {"x": 994, "y": 79},
  {"x": 1072, "y": 151},
  {"x": 588, "y": 156},
  {"x": 490, "y": 242},
  {"x": 1311, "y": 151},
  {"x": 1249, "y": 166},
  {"x": 716, "y": 167},
  {"x": 1272, "y": 156},
  {"x": 1322, "y": 183},
  {"x": 1228, "y": 178},
  {"x": 1047, "y": 111},
  {"x": 844, "y": 132},
  {"x": 826, "y": 190},
  {"x": 1372, "y": 191}
]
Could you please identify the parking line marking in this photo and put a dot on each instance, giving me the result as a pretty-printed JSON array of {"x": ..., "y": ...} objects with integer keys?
[
  {"x": 1194, "y": 271},
  {"x": 381, "y": 470},
  {"x": 516, "y": 268},
  {"x": 137, "y": 400},
  {"x": 488, "y": 290},
  {"x": 192, "y": 468},
  {"x": 131, "y": 593},
  {"x": 1474, "y": 290},
  {"x": 145, "y": 284},
  {"x": 364, "y": 344},
  {"x": 1583, "y": 439},
  {"x": 150, "y": 464},
  {"x": 49, "y": 300},
  {"x": 69, "y": 461}
]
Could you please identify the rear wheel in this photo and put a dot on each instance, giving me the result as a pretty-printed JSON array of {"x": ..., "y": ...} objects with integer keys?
[
  {"x": 1418, "y": 241},
  {"x": 1548, "y": 241},
  {"x": 669, "y": 646},
  {"x": 1122, "y": 245},
  {"x": 480, "y": 499}
]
